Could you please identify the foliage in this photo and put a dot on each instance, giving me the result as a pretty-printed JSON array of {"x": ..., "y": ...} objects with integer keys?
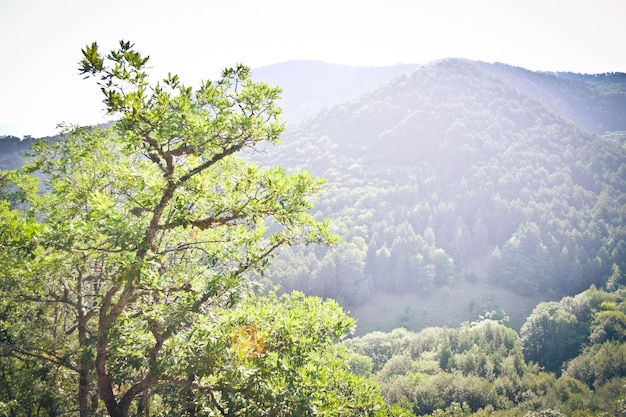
[
  {"x": 480, "y": 369},
  {"x": 557, "y": 332},
  {"x": 455, "y": 173},
  {"x": 599, "y": 363},
  {"x": 551, "y": 335},
  {"x": 284, "y": 364},
  {"x": 436, "y": 368},
  {"x": 126, "y": 275}
]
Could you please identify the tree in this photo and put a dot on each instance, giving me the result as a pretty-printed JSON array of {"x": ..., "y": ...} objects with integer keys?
[
  {"x": 140, "y": 244},
  {"x": 551, "y": 335},
  {"x": 599, "y": 363},
  {"x": 271, "y": 356}
]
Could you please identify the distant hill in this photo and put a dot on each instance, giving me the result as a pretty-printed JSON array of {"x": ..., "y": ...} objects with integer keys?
[
  {"x": 12, "y": 151},
  {"x": 592, "y": 101},
  {"x": 595, "y": 102}
]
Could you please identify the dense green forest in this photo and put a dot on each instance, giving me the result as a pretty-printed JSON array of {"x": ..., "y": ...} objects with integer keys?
[
  {"x": 488, "y": 199},
  {"x": 451, "y": 176},
  {"x": 126, "y": 258},
  {"x": 482, "y": 216},
  {"x": 570, "y": 359}
]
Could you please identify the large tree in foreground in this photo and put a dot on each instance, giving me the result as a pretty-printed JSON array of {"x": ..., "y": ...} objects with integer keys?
[{"x": 126, "y": 273}]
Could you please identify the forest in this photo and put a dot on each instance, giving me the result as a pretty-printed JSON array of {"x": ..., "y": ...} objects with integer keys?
[
  {"x": 568, "y": 360},
  {"x": 480, "y": 211},
  {"x": 450, "y": 177}
]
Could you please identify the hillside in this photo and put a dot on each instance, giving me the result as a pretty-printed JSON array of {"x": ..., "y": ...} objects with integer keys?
[
  {"x": 595, "y": 102},
  {"x": 12, "y": 150},
  {"x": 452, "y": 175},
  {"x": 482, "y": 209}
]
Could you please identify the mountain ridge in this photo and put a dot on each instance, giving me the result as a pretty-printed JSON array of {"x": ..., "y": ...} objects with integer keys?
[{"x": 527, "y": 81}]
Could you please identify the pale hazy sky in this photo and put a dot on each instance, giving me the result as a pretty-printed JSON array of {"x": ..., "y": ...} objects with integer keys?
[{"x": 40, "y": 41}]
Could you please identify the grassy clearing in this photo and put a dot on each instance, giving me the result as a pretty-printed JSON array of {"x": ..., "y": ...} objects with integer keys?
[{"x": 464, "y": 301}]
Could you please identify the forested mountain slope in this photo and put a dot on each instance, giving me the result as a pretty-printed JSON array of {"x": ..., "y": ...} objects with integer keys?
[
  {"x": 595, "y": 102},
  {"x": 12, "y": 151},
  {"x": 452, "y": 175},
  {"x": 465, "y": 193}
]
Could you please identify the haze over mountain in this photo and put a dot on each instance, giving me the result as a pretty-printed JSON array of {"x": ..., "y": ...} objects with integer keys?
[
  {"x": 593, "y": 101},
  {"x": 309, "y": 86}
]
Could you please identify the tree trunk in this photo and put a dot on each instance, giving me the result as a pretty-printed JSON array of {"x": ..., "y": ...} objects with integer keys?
[
  {"x": 83, "y": 391},
  {"x": 143, "y": 405},
  {"x": 84, "y": 364},
  {"x": 190, "y": 406}
]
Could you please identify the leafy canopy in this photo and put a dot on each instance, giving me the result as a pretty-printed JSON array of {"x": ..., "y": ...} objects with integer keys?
[{"x": 141, "y": 242}]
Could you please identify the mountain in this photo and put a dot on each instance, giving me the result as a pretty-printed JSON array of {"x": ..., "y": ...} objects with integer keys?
[
  {"x": 592, "y": 101},
  {"x": 595, "y": 102},
  {"x": 456, "y": 177},
  {"x": 12, "y": 151}
]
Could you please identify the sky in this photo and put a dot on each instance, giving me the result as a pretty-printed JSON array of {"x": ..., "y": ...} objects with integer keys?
[{"x": 41, "y": 41}]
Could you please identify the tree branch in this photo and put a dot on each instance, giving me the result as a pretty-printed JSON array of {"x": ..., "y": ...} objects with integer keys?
[
  {"x": 48, "y": 357},
  {"x": 152, "y": 376},
  {"x": 216, "y": 158}
]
